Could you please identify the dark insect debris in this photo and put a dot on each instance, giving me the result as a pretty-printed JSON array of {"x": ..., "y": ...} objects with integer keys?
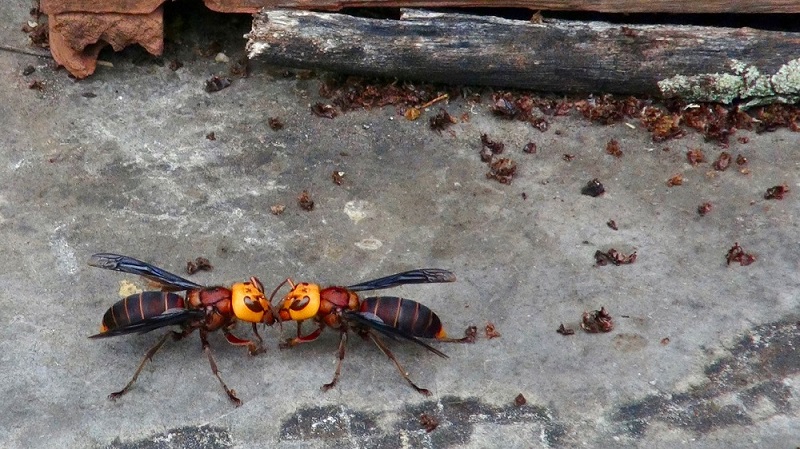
[
  {"x": 199, "y": 264},
  {"x": 305, "y": 201},
  {"x": 502, "y": 170},
  {"x": 675, "y": 180},
  {"x": 563, "y": 330},
  {"x": 612, "y": 148},
  {"x": 723, "y": 161},
  {"x": 442, "y": 120},
  {"x": 704, "y": 208},
  {"x": 491, "y": 332},
  {"x": 216, "y": 83},
  {"x": 613, "y": 257},
  {"x": 593, "y": 188},
  {"x": 530, "y": 148},
  {"x": 350, "y": 93},
  {"x": 695, "y": 156},
  {"x": 776, "y": 192},
  {"x": 275, "y": 123},
  {"x": 428, "y": 422},
  {"x": 540, "y": 123},
  {"x": 597, "y": 321},
  {"x": 737, "y": 254},
  {"x": 324, "y": 110},
  {"x": 470, "y": 334},
  {"x": 612, "y": 224},
  {"x": 495, "y": 146},
  {"x": 608, "y": 110},
  {"x": 520, "y": 400}
]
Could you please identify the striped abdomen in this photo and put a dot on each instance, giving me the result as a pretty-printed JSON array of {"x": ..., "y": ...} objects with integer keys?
[
  {"x": 405, "y": 315},
  {"x": 139, "y": 307}
]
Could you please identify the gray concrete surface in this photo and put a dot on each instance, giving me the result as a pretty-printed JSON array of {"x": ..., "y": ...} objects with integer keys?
[{"x": 131, "y": 171}]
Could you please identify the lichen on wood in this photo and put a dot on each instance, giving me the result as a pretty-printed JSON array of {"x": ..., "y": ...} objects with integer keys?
[{"x": 744, "y": 83}]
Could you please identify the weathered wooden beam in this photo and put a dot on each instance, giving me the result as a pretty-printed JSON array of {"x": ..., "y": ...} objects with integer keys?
[
  {"x": 697, "y": 63},
  {"x": 610, "y": 6}
]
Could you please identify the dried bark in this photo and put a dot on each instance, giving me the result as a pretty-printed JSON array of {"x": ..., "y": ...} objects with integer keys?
[
  {"x": 610, "y": 6},
  {"x": 697, "y": 63}
]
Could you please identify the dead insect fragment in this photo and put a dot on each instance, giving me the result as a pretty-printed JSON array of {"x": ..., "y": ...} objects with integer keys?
[
  {"x": 608, "y": 110},
  {"x": 563, "y": 330},
  {"x": 612, "y": 148},
  {"x": 486, "y": 154},
  {"x": 275, "y": 123},
  {"x": 211, "y": 136},
  {"x": 441, "y": 120},
  {"x": 36, "y": 85},
  {"x": 593, "y": 188},
  {"x": 277, "y": 209},
  {"x": 776, "y": 192},
  {"x": 491, "y": 332},
  {"x": 338, "y": 177},
  {"x": 412, "y": 114},
  {"x": 502, "y": 170},
  {"x": 597, "y": 321},
  {"x": 520, "y": 400},
  {"x": 429, "y": 423},
  {"x": 470, "y": 334},
  {"x": 662, "y": 125},
  {"x": 612, "y": 224},
  {"x": 737, "y": 254},
  {"x": 199, "y": 264},
  {"x": 305, "y": 201},
  {"x": 216, "y": 84},
  {"x": 695, "y": 156},
  {"x": 495, "y": 146},
  {"x": 723, "y": 161},
  {"x": 704, "y": 208},
  {"x": 675, "y": 180},
  {"x": 614, "y": 257},
  {"x": 324, "y": 110},
  {"x": 505, "y": 108},
  {"x": 568, "y": 157},
  {"x": 530, "y": 148},
  {"x": 540, "y": 123}
]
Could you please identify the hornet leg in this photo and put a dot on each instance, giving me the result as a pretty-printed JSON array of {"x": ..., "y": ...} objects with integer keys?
[
  {"x": 149, "y": 356},
  {"x": 207, "y": 348},
  {"x": 342, "y": 344},
  {"x": 469, "y": 336},
  {"x": 302, "y": 338},
  {"x": 385, "y": 349}
]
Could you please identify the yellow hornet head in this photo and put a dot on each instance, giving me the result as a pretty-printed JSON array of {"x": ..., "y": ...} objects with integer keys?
[
  {"x": 249, "y": 302},
  {"x": 301, "y": 303}
]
